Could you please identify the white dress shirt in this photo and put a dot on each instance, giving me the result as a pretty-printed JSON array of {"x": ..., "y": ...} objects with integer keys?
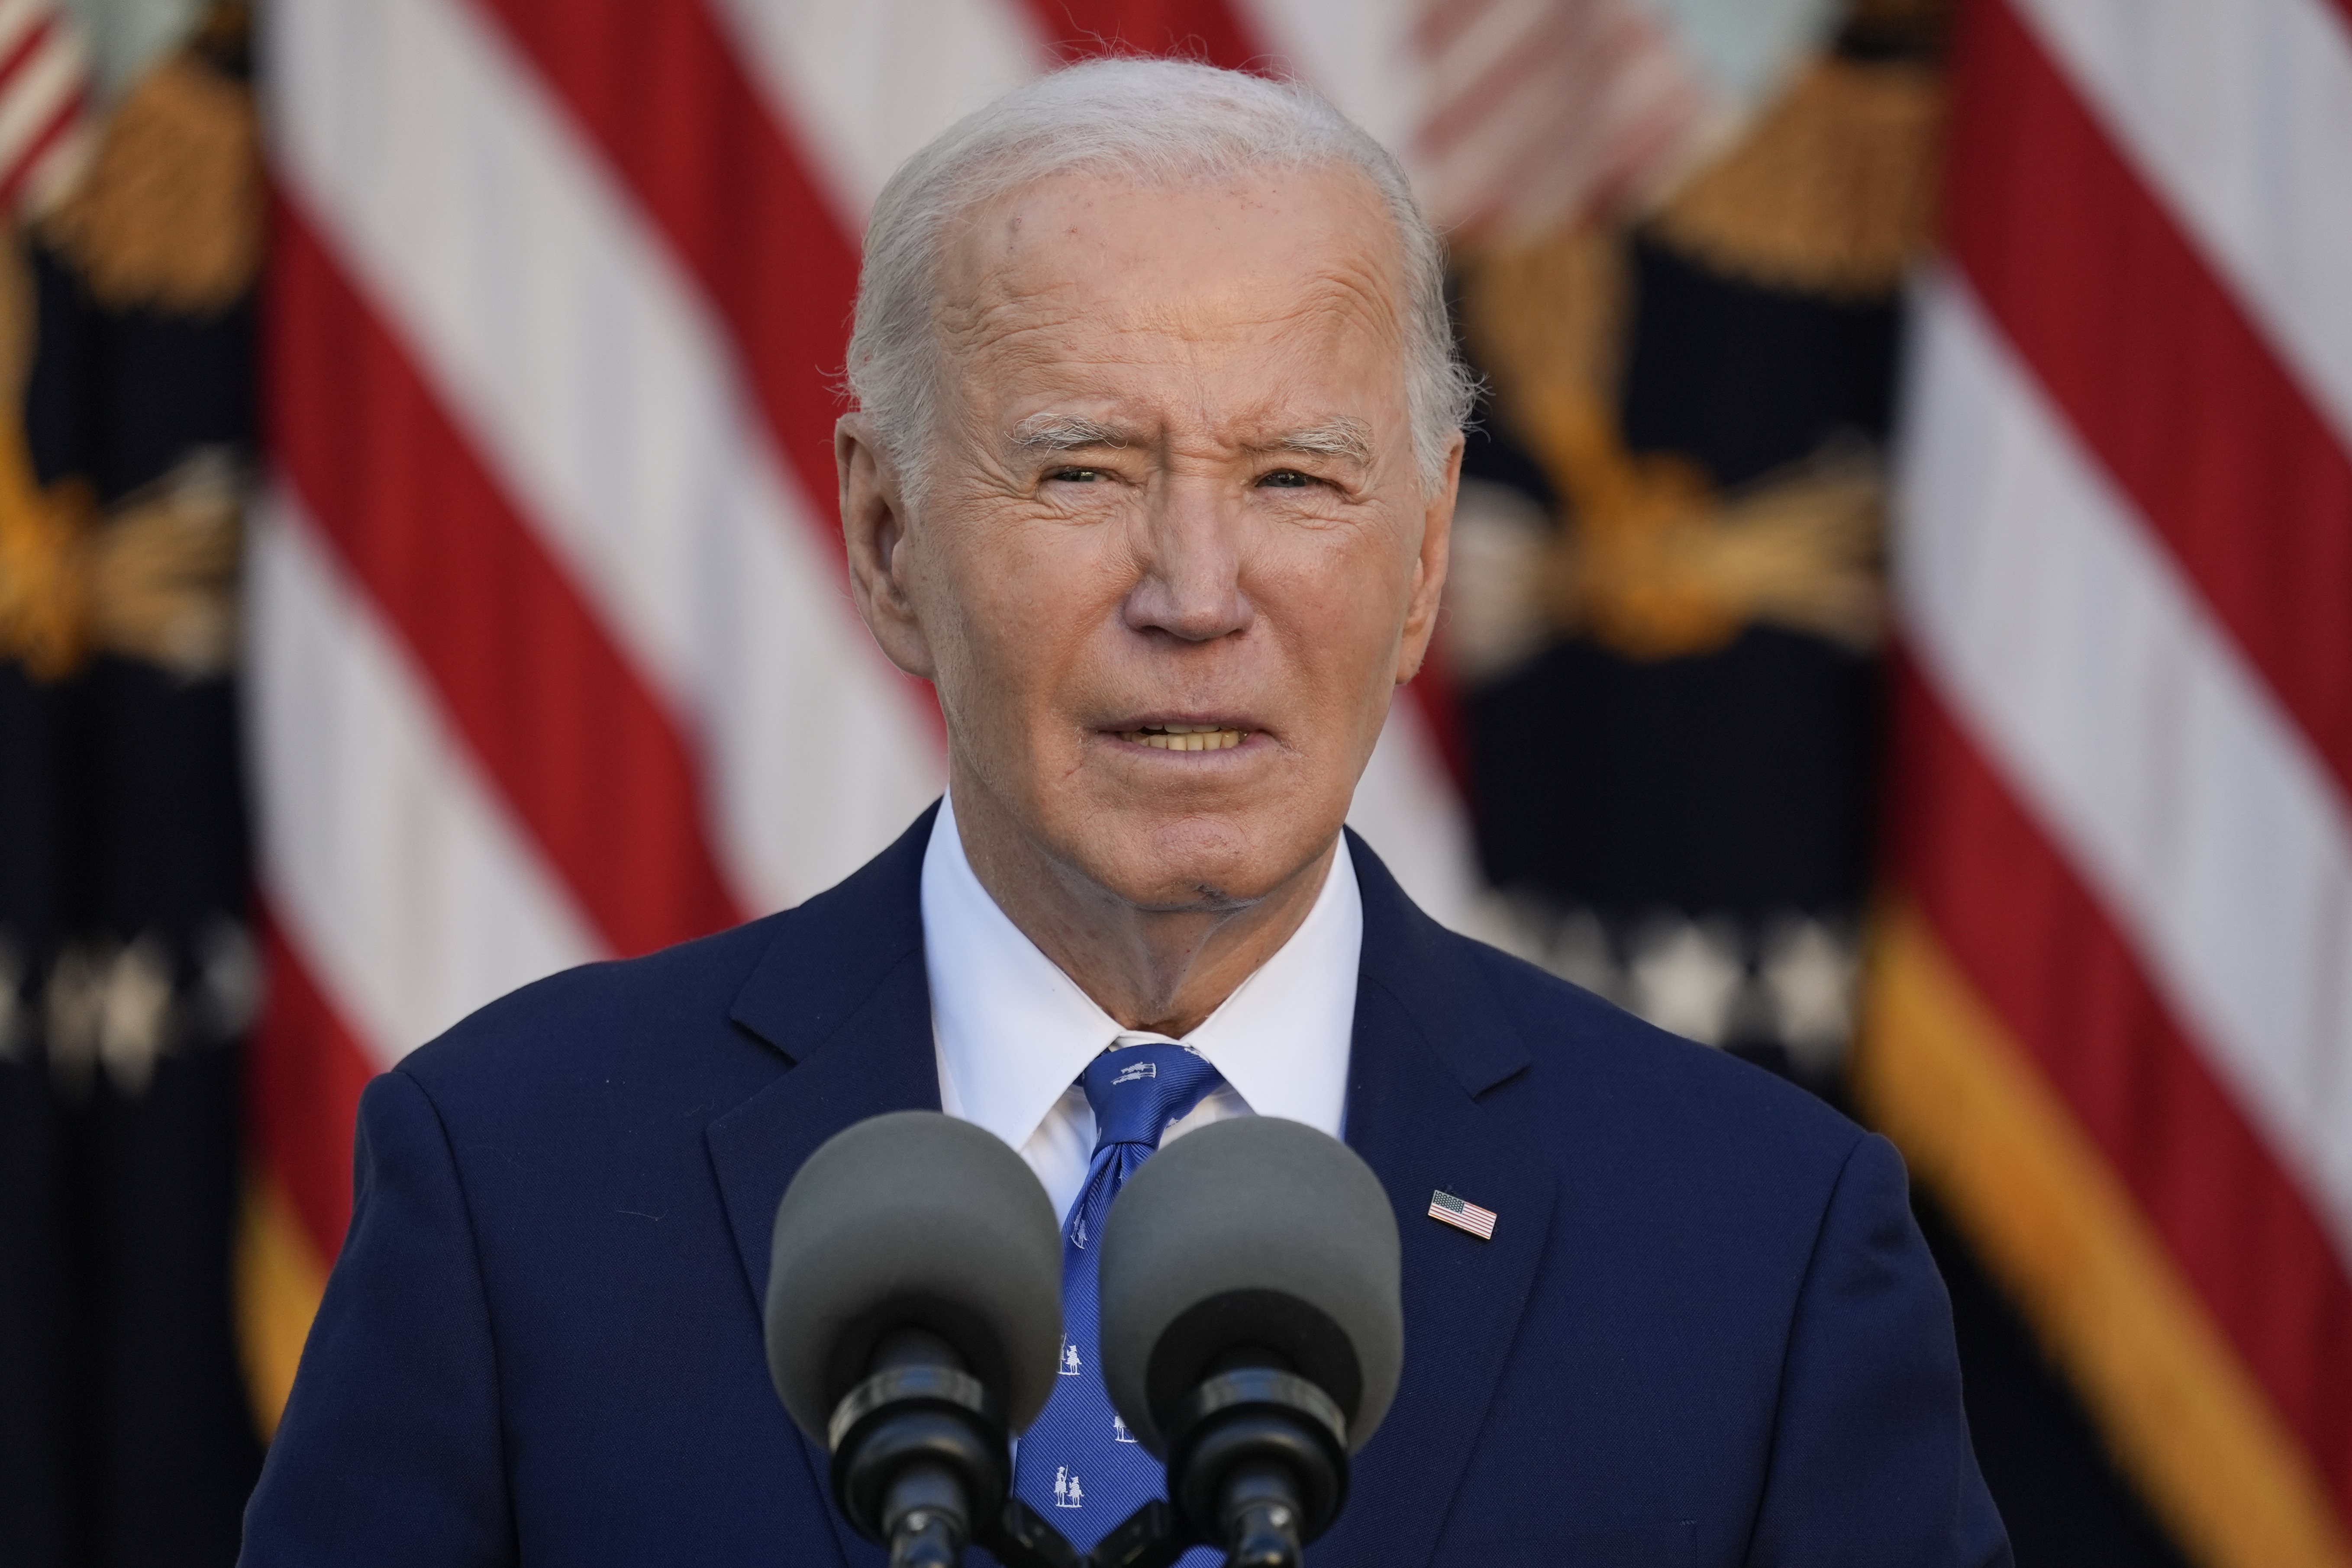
[{"x": 1012, "y": 1032}]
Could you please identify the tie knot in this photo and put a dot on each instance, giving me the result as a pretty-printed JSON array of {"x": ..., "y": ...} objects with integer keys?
[{"x": 1138, "y": 1089}]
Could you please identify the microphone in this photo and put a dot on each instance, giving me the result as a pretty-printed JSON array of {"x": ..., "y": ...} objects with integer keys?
[
  {"x": 1252, "y": 1331},
  {"x": 914, "y": 1318}
]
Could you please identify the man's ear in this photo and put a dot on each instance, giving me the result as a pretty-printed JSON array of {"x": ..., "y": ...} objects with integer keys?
[
  {"x": 1429, "y": 568},
  {"x": 874, "y": 527}
]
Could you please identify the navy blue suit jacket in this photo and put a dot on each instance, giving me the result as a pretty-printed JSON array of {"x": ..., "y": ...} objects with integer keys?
[{"x": 1705, "y": 1332}]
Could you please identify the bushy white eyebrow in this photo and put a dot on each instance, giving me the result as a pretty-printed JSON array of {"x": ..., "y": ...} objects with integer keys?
[
  {"x": 1063, "y": 432},
  {"x": 1343, "y": 438},
  {"x": 1346, "y": 439}
]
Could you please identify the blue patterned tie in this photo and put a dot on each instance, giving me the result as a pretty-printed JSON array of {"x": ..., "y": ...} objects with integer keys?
[{"x": 1077, "y": 1466}]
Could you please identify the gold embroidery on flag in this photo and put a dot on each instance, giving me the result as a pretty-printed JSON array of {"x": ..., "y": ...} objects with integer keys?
[
  {"x": 1654, "y": 561},
  {"x": 1832, "y": 192},
  {"x": 154, "y": 580},
  {"x": 169, "y": 215},
  {"x": 1829, "y": 192},
  {"x": 163, "y": 569},
  {"x": 44, "y": 592}
]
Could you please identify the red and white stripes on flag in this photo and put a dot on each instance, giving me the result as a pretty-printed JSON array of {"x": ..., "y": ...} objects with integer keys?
[
  {"x": 1540, "y": 110},
  {"x": 551, "y": 655},
  {"x": 1462, "y": 1214},
  {"x": 46, "y": 129},
  {"x": 2115, "y": 1012}
]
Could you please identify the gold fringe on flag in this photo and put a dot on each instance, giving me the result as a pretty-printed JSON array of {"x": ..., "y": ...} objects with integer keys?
[
  {"x": 279, "y": 1282},
  {"x": 1977, "y": 1121}
]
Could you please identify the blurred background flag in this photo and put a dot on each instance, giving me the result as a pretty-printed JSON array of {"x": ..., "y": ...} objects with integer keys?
[
  {"x": 2111, "y": 1016},
  {"x": 543, "y": 651},
  {"x": 129, "y": 164}
]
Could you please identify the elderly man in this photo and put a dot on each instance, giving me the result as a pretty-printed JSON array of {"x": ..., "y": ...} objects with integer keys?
[{"x": 1150, "y": 471}]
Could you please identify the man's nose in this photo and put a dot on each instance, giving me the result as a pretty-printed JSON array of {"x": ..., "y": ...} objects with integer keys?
[{"x": 1191, "y": 584}]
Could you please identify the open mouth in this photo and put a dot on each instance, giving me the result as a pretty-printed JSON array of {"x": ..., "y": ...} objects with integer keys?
[{"x": 1185, "y": 737}]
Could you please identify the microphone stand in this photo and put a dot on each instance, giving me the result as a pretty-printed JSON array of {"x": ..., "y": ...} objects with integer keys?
[{"x": 1257, "y": 1455}]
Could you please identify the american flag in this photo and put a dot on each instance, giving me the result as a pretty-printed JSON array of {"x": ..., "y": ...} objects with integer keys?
[
  {"x": 2113, "y": 1017},
  {"x": 551, "y": 655},
  {"x": 1448, "y": 1209},
  {"x": 551, "y": 658}
]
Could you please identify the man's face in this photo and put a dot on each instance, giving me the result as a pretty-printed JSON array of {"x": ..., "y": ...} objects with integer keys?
[{"x": 1172, "y": 552}]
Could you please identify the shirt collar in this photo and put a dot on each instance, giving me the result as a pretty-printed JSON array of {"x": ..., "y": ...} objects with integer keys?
[{"x": 1013, "y": 1031}]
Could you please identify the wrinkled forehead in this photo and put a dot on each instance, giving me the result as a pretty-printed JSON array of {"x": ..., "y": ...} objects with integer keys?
[{"x": 1078, "y": 263}]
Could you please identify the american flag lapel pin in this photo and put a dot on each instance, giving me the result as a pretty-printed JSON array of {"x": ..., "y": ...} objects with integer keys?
[{"x": 1448, "y": 1209}]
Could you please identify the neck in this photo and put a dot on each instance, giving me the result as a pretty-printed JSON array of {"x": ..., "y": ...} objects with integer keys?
[{"x": 1159, "y": 970}]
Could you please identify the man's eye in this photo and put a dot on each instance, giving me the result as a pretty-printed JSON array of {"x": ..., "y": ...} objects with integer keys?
[
  {"x": 1075, "y": 476},
  {"x": 1287, "y": 478}
]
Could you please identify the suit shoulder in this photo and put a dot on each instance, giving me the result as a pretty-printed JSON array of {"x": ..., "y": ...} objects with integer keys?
[
  {"x": 1648, "y": 1081},
  {"x": 597, "y": 1016}
]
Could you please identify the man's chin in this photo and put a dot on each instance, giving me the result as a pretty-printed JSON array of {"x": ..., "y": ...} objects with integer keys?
[{"x": 1192, "y": 862}]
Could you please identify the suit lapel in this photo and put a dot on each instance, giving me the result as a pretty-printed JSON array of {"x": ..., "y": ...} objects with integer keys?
[
  {"x": 1430, "y": 1078},
  {"x": 842, "y": 994}
]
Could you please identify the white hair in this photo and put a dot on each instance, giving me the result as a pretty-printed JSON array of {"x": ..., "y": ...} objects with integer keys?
[{"x": 1155, "y": 122}]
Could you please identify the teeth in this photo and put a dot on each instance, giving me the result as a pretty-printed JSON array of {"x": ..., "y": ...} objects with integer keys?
[{"x": 1185, "y": 737}]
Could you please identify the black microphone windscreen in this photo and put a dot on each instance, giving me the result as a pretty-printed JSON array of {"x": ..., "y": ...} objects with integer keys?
[
  {"x": 914, "y": 1220},
  {"x": 1250, "y": 1235}
]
